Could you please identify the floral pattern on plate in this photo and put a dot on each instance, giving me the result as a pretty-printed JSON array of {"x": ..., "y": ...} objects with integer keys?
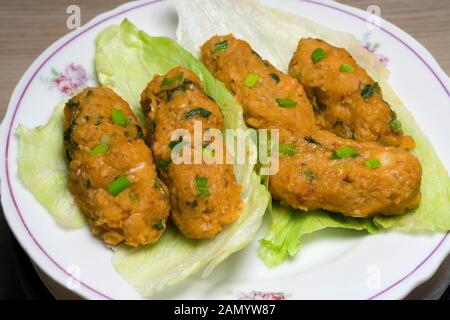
[
  {"x": 70, "y": 79},
  {"x": 260, "y": 295},
  {"x": 373, "y": 46}
]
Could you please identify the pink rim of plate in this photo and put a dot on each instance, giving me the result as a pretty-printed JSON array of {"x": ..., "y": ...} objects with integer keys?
[{"x": 144, "y": 5}]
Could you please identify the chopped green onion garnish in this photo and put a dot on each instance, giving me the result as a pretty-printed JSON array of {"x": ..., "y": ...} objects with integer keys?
[
  {"x": 152, "y": 126},
  {"x": 118, "y": 117},
  {"x": 342, "y": 153},
  {"x": 203, "y": 191},
  {"x": 288, "y": 149},
  {"x": 198, "y": 111},
  {"x": 208, "y": 152},
  {"x": 163, "y": 163},
  {"x": 346, "y": 68},
  {"x": 372, "y": 163},
  {"x": 367, "y": 92},
  {"x": 395, "y": 125},
  {"x": 166, "y": 81},
  {"x": 220, "y": 46},
  {"x": 309, "y": 174},
  {"x": 251, "y": 80},
  {"x": 275, "y": 77},
  {"x": 201, "y": 182},
  {"x": 317, "y": 55},
  {"x": 118, "y": 185},
  {"x": 286, "y": 103},
  {"x": 99, "y": 149},
  {"x": 159, "y": 226},
  {"x": 202, "y": 186}
]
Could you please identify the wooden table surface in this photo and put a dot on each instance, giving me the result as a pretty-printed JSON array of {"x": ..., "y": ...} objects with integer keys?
[{"x": 27, "y": 27}]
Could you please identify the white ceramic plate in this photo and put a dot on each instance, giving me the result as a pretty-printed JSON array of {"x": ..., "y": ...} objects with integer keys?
[{"x": 332, "y": 264}]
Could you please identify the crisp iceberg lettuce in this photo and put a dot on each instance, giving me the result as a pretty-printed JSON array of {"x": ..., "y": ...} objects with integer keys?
[
  {"x": 126, "y": 60},
  {"x": 288, "y": 226},
  {"x": 43, "y": 169},
  {"x": 274, "y": 34}
]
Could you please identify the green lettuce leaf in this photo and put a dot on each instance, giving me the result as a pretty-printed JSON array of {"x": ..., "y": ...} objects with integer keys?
[
  {"x": 274, "y": 34},
  {"x": 43, "y": 169},
  {"x": 126, "y": 60},
  {"x": 288, "y": 227}
]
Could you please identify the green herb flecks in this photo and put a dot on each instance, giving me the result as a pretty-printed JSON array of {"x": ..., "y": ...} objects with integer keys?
[
  {"x": 275, "y": 77},
  {"x": 251, "y": 80},
  {"x": 367, "y": 92},
  {"x": 72, "y": 104},
  {"x": 192, "y": 204},
  {"x": 311, "y": 140},
  {"x": 377, "y": 88},
  {"x": 287, "y": 149},
  {"x": 310, "y": 175},
  {"x": 187, "y": 84},
  {"x": 152, "y": 126},
  {"x": 346, "y": 68},
  {"x": 99, "y": 149},
  {"x": 220, "y": 46},
  {"x": 168, "y": 81},
  {"x": 343, "y": 153},
  {"x": 159, "y": 226},
  {"x": 163, "y": 163},
  {"x": 197, "y": 112},
  {"x": 396, "y": 125},
  {"x": 177, "y": 143}
]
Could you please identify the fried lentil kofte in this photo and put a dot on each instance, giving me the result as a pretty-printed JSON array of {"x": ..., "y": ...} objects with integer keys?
[
  {"x": 204, "y": 196},
  {"x": 112, "y": 173},
  {"x": 345, "y": 98},
  {"x": 317, "y": 169}
]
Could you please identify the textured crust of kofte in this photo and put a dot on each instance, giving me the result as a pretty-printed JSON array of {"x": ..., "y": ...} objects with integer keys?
[
  {"x": 313, "y": 173},
  {"x": 204, "y": 196},
  {"x": 346, "y": 99},
  {"x": 100, "y": 152}
]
